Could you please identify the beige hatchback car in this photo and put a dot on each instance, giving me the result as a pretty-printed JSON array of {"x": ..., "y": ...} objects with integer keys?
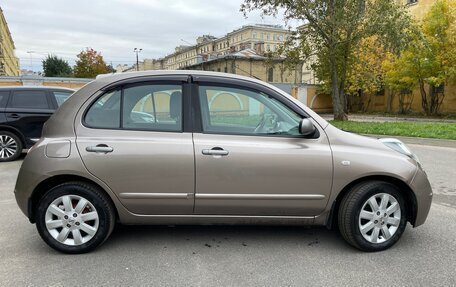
[{"x": 192, "y": 147}]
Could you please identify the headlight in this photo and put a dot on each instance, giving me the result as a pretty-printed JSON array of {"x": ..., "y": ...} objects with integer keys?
[{"x": 400, "y": 147}]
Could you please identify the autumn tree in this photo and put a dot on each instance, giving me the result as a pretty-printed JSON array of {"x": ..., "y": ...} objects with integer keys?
[
  {"x": 90, "y": 63},
  {"x": 54, "y": 66},
  {"x": 430, "y": 61},
  {"x": 332, "y": 31}
]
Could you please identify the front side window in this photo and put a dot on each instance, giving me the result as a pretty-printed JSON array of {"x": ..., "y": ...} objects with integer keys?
[
  {"x": 142, "y": 107},
  {"x": 238, "y": 111},
  {"x": 29, "y": 100}
]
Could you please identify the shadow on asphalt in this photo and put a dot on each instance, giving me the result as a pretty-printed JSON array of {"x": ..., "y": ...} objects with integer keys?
[{"x": 214, "y": 236}]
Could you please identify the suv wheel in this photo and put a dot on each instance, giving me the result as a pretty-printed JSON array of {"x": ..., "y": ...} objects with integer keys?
[
  {"x": 74, "y": 218},
  {"x": 10, "y": 146},
  {"x": 372, "y": 216}
]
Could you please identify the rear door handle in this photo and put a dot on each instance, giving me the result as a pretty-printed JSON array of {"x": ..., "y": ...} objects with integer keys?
[
  {"x": 14, "y": 116},
  {"x": 101, "y": 148},
  {"x": 215, "y": 151}
]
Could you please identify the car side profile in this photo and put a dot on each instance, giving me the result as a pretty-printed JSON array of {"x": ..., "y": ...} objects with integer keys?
[
  {"x": 23, "y": 111},
  {"x": 194, "y": 147}
]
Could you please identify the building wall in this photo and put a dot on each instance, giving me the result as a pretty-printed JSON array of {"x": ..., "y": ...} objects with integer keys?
[
  {"x": 252, "y": 68},
  {"x": 9, "y": 63},
  {"x": 72, "y": 83}
]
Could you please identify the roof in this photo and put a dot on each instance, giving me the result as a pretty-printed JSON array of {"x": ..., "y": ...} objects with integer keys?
[{"x": 34, "y": 88}]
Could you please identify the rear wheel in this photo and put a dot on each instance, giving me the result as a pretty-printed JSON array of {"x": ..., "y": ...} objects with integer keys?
[
  {"x": 372, "y": 216},
  {"x": 10, "y": 146},
  {"x": 74, "y": 218}
]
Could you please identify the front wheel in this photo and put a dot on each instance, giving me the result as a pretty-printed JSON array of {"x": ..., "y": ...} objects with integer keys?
[
  {"x": 372, "y": 216},
  {"x": 74, "y": 217}
]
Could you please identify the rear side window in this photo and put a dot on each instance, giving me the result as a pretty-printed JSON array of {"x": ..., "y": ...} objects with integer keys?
[
  {"x": 29, "y": 100},
  {"x": 3, "y": 99},
  {"x": 152, "y": 107},
  {"x": 61, "y": 97},
  {"x": 105, "y": 112}
]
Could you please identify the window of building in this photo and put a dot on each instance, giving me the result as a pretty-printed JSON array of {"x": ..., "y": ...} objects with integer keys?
[
  {"x": 254, "y": 35},
  {"x": 271, "y": 74}
]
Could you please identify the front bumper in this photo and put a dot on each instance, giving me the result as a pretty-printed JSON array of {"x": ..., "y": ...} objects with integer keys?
[{"x": 423, "y": 193}]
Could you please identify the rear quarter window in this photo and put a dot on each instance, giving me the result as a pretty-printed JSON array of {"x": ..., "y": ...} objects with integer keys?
[{"x": 61, "y": 97}]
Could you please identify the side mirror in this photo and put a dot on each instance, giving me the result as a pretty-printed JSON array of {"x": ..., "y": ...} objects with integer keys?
[{"x": 306, "y": 127}]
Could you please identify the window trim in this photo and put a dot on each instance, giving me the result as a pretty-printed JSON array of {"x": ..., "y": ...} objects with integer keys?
[
  {"x": 243, "y": 85},
  {"x": 129, "y": 84}
]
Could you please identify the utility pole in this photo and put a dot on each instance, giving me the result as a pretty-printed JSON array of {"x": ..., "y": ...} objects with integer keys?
[
  {"x": 31, "y": 60},
  {"x": 137, "y": 51}
]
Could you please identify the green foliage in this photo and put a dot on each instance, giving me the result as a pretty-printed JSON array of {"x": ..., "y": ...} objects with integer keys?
[
  {"x": 409, "y": 129},
  {"x": 90, "y": 63},
  {"x": 332, "y": 32},
  {"x": 430, "y": 60},
  {"x": 54, "y": 66}
]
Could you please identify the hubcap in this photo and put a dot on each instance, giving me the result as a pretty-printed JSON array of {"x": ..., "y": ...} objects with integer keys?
[
  {"x": 72, "y": 220},
  {"x": 379, "y": 218},
  {"x": 8, "y": 146}
]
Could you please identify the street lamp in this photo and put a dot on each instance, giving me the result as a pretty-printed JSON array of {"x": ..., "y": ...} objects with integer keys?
[
  {"x": 31, "y": 59},
  {"x": 137, "y": 51}
]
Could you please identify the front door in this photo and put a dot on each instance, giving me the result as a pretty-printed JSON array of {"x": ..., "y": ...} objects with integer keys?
[
  {"x": 251, "y": 159},
  {"x": 132, "y": 138}
]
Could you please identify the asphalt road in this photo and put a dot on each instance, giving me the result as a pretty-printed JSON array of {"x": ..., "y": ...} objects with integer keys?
[{"x": 238, "y": 256}]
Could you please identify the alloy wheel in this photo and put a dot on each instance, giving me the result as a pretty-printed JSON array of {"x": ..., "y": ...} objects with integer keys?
[
  {"x": 379, "y": 218},
  {"x": 72, "y": 220},
  {"x": 8, "y": 147}
]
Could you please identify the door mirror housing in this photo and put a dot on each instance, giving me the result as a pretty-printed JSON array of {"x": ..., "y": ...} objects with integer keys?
[{"x": 306, "y": 127}]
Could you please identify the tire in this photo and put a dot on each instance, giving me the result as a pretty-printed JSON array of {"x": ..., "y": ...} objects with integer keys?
[
  {"x": 358, "y": 212},
  {"x": 10, "y": 146},
  {"x": 78, "y": 227}
]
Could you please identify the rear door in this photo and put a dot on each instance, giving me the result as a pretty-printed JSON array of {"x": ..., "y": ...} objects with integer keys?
[
  {"x": 27, "y": 111},
  {"x": 134, "y": 138}
]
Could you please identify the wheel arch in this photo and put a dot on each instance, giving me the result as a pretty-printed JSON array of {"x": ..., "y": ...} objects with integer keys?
[
  {"x": 51, "y": 182},
  {"x": 409, "y": 197}
]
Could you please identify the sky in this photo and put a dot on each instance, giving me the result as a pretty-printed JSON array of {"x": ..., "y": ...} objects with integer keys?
[{"x": 116, "y": 27}]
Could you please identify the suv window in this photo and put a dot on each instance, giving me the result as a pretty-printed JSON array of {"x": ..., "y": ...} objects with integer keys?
[
  {"x": 61, "y": 97},
  {"x": 3, "y": 99},
  {"x": 146, "y": 107},
  {"x": 239, "y": 111},
  {"x": 29, "y": 100}
]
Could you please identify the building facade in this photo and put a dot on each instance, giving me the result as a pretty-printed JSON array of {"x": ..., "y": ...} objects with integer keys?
[
  {"x": 259, "y": 38},
  {"x": 9, "y": 63}
]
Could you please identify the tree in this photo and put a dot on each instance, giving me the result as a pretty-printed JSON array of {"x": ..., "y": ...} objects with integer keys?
[
  {"x": 90, "y": 63},
  {"x": 333, "y": 30},
  {"x": 54, "y": 66},
  {"x": 430, "y": 61}
]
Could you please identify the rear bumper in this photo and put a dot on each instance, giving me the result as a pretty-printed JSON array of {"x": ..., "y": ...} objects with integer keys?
[{"x": 423, "y": 193}]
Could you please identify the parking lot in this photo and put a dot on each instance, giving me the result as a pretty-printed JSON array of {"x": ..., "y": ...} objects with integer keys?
[{"x": 237, "y": 255}]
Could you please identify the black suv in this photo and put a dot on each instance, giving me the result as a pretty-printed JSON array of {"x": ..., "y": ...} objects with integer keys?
[{"x": 23, "y": 111}]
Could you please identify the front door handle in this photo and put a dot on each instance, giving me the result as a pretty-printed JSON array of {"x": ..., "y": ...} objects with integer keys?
[
  {"x": 101, "y": 148},
  {"x": 215, "y": 151}
]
